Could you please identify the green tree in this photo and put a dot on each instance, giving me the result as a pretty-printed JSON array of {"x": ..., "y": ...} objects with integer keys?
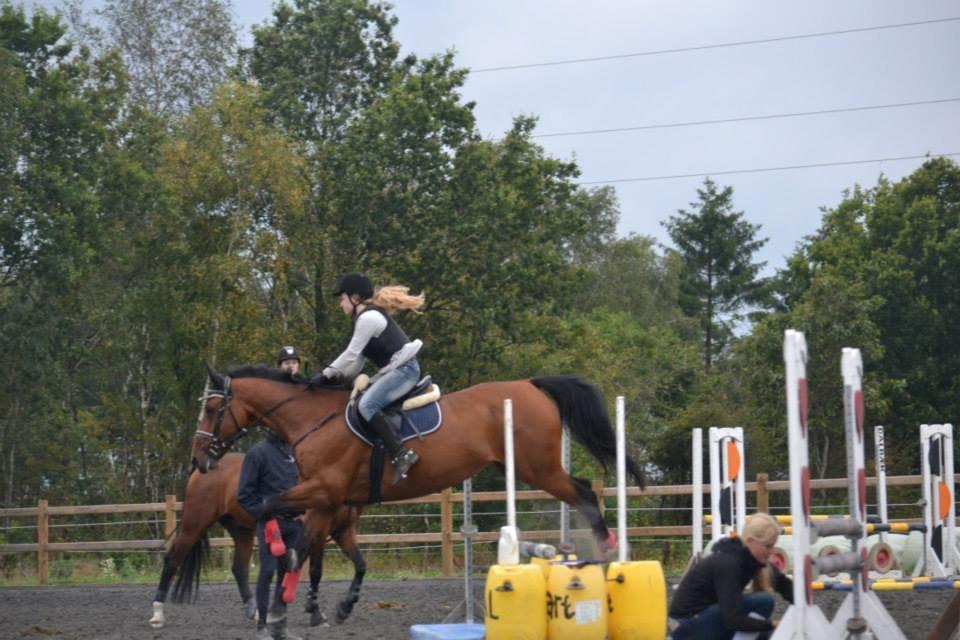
[
  {"x": 627, "y": 274},
  {"x": 719, "y": 276},
  {"x": 57, "y": 255},
  {"x": 176, "y": 52},
  {"x": 320, "y": 63},
  {"x": 875, "y": 276}
]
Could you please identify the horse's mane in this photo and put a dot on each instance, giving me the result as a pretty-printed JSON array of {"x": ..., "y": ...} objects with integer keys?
[{"x": 267, "y": 373}]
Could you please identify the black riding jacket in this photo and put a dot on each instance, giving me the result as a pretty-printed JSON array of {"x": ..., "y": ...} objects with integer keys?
[
  {"x": 720, "y": 578},
  {"x": 268, "y": 469}
]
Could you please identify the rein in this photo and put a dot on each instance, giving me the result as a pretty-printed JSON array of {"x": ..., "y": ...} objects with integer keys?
[
  {"x": 312, "y": 429},
  {"x": 218, "y": 447}
]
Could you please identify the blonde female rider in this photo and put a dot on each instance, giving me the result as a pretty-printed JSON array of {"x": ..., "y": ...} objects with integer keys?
[{"x": 377, "y": 337}]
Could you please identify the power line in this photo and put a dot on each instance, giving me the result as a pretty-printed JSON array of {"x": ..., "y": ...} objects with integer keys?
[
  {"x": 766, "y": 169},
  {"x": 740, "y": 43},
  {"x": 773, "y": 116}
]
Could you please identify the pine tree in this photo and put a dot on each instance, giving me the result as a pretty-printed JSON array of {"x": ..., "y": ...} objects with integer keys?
[{"x": 719, "y": 276}]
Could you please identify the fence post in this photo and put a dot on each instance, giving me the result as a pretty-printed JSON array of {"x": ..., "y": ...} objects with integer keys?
[
  {"x": 43, "y": 537},
  {"x": 446, "y": 531},
  {"x": 763, "y": 498},
  {"x": 170, "y": 520}
]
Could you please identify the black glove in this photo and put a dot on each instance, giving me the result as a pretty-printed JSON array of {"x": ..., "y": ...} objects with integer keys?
[{"x": 334, "y": 380}]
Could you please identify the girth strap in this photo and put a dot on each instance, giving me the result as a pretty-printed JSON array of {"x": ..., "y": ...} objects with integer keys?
[{"x": 377, "y": 457}]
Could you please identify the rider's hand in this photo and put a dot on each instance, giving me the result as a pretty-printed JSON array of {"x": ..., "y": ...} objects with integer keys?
[
  {"x": 325, "y": 380},
  {"x": 332, "y": 376}
]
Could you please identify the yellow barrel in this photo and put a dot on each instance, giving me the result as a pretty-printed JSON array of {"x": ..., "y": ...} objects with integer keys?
[
  {"x": 576, "y": 602},
  {"x": 637, "y": 596},
  {"x": 544, "y": 566},
  {"x": 515, "y": 607}
]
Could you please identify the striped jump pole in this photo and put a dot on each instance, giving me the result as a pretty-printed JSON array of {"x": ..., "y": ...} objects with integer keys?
[
  {"x": 941, "y": 558},
  {"x": 803, "y": 620},
  {"x": 861, "y": 609},
  {"x": 728, "y": 489},
  {"x": 728, "y": 493}
]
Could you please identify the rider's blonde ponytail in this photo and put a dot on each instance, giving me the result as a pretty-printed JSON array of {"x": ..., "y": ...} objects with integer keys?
[{"x": 395, "y": 298}]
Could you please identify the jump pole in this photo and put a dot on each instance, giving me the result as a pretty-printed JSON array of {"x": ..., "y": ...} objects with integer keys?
[
  {"x": 632, "y": 582},
  {"x": 803, "y": 620},
  {"x": 508, "y": 546},
  {"x": 861, "y": 609},
  {"x": 936, "y": 446},
  {"x": 880, "y": 458},
  {"x": 565, "y": 463},
  {"x": 726, "y": 452},
  {"x": 697, "y": 463},
  {"x": 726, "y": 479}
]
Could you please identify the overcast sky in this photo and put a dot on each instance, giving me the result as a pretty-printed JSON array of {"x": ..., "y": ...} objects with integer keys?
[{"x": 702, "y": 82}]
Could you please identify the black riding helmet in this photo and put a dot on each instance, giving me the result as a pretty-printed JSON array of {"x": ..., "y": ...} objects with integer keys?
[
  {"x": 288, "y": 353},
  {"x": 352, "y": 283}
]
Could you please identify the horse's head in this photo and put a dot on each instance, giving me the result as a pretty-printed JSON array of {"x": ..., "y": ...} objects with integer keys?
[{"x": 223, "y": 419}]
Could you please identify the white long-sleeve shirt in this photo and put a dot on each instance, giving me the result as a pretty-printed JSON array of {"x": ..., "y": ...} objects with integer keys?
[{"x": 368, "y": 326}]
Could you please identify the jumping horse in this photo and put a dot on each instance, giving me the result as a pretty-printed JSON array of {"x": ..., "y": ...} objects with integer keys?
[
  {"x": 212, "y": 497},
  {"x": 334, "y": 463}
]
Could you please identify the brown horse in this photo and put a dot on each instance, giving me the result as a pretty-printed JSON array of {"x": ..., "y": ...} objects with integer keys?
[
  {"x": 211, "y": 498},
  {"x": 334, "y": 464}
]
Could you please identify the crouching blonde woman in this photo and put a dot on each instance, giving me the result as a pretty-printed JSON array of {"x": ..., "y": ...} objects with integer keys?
[{"x": 710, "y": 603}]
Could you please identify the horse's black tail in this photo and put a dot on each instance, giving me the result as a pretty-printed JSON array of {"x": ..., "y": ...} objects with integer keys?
[
  {"x": 188, "y": 580},
  {"x": 584, "y": 412}
]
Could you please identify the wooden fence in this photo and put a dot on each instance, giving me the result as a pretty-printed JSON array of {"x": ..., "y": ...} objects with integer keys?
[{"x": 447, "y": 537}]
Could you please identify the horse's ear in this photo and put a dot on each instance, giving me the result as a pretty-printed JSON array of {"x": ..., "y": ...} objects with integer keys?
[{"x": 216, "y": 380}]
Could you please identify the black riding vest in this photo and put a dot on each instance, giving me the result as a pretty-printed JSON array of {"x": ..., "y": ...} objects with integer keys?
[{"x": 381, "y": 348}]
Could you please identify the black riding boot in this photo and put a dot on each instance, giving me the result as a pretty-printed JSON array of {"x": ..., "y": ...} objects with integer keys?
[{"x": 403, "y": 459}]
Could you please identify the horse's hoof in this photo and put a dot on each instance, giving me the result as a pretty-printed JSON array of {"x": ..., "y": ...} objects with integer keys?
[
  {"x": 157, "y": 620},
  {"x": 343, "y": 612},
  {"x": 311, "y": 605},
  {"x": 318, "y": 618}
]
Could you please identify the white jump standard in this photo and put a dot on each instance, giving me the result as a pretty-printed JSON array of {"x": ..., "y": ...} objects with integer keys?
[
  {"x": 941, "y": 558},
  {"x": 861, "y": 611}
]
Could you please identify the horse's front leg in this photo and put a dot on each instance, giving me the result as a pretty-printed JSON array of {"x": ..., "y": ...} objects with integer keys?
[{"x": 346, "y": 538}]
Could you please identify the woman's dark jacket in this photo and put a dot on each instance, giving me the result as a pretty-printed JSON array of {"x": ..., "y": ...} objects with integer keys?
[
  {"x": 720, "y": 578},
  {"x": 268, "y": 469}
]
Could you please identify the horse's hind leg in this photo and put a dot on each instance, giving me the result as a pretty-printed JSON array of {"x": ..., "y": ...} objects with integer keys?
[
  {"x": 588, "y": 504},
  {"x": 317, "y": 616},
  {"x": 578, "y": 493},
  {"x": 171, "y": 562},
  {"x": 242, "y": 551}
]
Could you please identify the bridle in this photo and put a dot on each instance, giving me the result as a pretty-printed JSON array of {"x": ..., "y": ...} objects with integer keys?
[{"x": 218, "y": 447}]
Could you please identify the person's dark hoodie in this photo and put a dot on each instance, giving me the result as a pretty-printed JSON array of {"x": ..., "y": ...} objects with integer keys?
[
  {"x": 720, "y": 578},
  {"x": 268, "y": 469}
]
